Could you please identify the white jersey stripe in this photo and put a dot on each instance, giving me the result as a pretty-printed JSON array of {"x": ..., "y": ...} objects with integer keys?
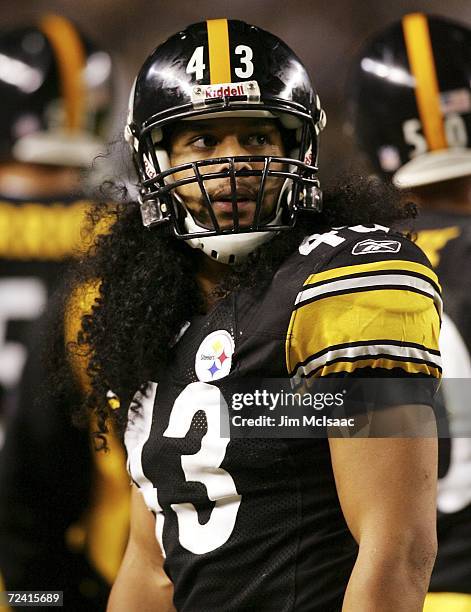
[
  {"x": 368, "y": 352},
  {"x": 403, "y": 281}
]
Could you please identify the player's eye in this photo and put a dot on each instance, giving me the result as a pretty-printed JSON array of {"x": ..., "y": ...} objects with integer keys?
[
  {"x": 207, "y": 141},
  {"x": 257, "y": 140}
]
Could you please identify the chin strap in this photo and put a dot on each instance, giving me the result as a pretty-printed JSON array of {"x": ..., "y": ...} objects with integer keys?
[{"x": 229, "y": 248}]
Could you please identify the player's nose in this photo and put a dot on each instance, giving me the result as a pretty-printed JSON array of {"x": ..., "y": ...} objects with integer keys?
[{"x": 230, "y": 146}]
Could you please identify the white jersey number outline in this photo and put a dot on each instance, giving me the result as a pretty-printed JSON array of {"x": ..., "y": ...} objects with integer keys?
[
  {"x": 20, "y": 299},
  {"x": 204, "y": 467}
]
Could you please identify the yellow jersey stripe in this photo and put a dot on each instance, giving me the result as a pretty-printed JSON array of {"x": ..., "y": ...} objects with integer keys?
[
  {"x": 44, "y": 232},
  {"x": 219, "y": 56},
  {"x": 384, "y": 265},
  {"x": 385, "y": 363},
  {"x": 70, "y": 56},
  {"x": 395, "y": 315},
  {"x": 48, "y": 232},
  {"x": 427, "y": 93},
  {"x": 433, "y": 241}
]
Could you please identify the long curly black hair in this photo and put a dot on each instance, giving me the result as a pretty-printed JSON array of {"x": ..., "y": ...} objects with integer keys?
[{"x": 147, "y": 288}]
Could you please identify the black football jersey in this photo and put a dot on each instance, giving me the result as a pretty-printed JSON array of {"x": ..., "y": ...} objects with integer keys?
[
  {"x": 446, "y": 239},
  {"x": 256, "y": 524},
  {"x": 37, "y": 241},
  {"x": 63, "y": 523}
]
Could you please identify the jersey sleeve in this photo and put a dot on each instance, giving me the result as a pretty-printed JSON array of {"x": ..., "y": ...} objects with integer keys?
[
  {"x": 373, "y": 310},
  {"x": 80, "y": 303}
]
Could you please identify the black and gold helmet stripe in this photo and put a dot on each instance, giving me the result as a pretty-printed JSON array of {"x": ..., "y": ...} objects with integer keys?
[
  {"x": 71, "y": 60},
  {"x": 219, "y": 55},
  {"x": 422, "y": 64}
]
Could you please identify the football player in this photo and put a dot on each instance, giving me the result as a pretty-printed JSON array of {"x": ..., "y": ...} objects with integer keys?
[
  {"x": 56, "y": 495},
  {"x": 411, "y": 114},
  {"x": 206, "y": 282}
]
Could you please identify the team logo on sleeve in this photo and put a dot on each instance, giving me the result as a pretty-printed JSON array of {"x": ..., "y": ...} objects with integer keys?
[
  {"x": 371, "y": 247},
  {"x": 214, "y": 356}
]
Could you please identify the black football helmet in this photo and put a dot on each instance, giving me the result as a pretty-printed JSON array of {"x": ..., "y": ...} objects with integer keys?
[
  {"x": 55, "y": 88},
  {"x": 215, "y": 69},
  {"x": 411, "y": 100}
]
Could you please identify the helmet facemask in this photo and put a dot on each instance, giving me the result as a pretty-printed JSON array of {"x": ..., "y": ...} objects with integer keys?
[
  {"x": 169, "y": 92},
  {"x": 161, "y": 202}
]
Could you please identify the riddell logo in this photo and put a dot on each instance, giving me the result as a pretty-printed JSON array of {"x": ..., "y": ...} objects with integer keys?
[
  {"x": 221, "y": 92},
  {"x": 245, "y": 91}
]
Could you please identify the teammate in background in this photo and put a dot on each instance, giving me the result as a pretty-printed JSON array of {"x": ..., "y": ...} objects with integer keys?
[
  {"x": 56, "y": 95},
  {"x": 55, "y": 493},
  {"x": 220, "y": 286},
  {"x": 411, "y": 114}
]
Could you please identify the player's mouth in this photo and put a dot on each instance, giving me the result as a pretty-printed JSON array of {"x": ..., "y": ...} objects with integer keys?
[
  {"x": 226, "y": 206},
  {"x": 245, "y": 201}
]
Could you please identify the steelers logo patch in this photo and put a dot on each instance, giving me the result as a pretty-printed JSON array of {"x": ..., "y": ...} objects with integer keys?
[{"x": 214, "y": 356}]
